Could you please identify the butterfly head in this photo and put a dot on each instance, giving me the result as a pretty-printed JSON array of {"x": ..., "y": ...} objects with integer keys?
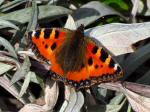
[{"x": 80, "y": 29}]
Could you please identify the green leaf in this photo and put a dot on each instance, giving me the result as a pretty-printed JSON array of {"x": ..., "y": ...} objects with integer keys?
[
  {"x": 104, "y": 108},
  {"x": 5, "y": 67},
  {"x": 5, "y": 83},
  {"x": 22, "y": 72},
  {"x": 145, "y": 79},
  {"x": 18, "y": 35},
  {"x": 11, "y": 5},
  {"x": 34, "y": 78},
  {"x": 117, "y": 99},
  {"x": 8, "y": 46},
  {"x": 92, "y": 11},
  {"x": 5, "y": 24},
  {"x": 34, "y": 18},
  {"x": 119, "y": 4},
  {"x": 8, "y": 59},
  {"x": 1, "y": 2},
  {"x": 45, "y": 12},
  {"x": 25, "y": 84},
  {"x": 101, "y": 94},
  {"x": 129, "y": 108},
  {"x": 136, "y": 59}
]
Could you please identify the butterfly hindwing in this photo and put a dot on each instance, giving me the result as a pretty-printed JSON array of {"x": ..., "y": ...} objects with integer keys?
[{"x": 100, "y": 65}]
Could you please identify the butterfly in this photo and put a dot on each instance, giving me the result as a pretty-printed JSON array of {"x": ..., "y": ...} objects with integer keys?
[{"x": 75, "y": 59}]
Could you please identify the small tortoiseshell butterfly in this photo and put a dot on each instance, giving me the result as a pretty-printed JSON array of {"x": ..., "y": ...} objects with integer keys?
[{"x": 75, "y": 59}]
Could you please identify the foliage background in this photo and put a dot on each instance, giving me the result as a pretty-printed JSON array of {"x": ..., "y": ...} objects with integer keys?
[{"x": 120, "y": 26}]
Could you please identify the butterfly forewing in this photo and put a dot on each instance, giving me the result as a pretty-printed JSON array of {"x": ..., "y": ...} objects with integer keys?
[{"x": 47, "y": 42}]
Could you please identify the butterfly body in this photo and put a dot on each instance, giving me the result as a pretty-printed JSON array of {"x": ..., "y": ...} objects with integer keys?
[
  {"x": 76, "y": 60},
  {"x": 71, "y": 55}
]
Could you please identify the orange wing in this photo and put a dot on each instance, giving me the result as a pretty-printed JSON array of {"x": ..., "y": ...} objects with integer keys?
[
  {"x": 100, "y": 67},
  {"x": 45, "y": 43}
]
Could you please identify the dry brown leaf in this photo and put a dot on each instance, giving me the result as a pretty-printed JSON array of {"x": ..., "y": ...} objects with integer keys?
[
  {"x": 139, "y": 103},
  {"x": 32, "y": 108},
  {"x": 51, "y": 95}
]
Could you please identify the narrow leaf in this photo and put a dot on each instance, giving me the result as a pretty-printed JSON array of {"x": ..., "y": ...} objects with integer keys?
[
  {"x": 117, "y": 99},
  {"x": 11, "y": 5},
  {"x": 5, "y": 67},
  {"x": 25, "y": 84},
  {"x": 75, "y": 103},
  {"x": 33, "y": 23},
  {"x": 45, "y": 12},
  {"x": 79, "y": 103},
  {"x": 67, "y": 96},
  {"x": 21, "y": 72},
  {"x": 104, "y": 108},
  {"x": 5, "y": 83},
  {"x": 36, "y": 79},
  {"x": 5, "y": 24},
  {"x": 138, "y": 103},
  {"x": 72, "y": 101},
  {"x": 9, "y": 59},
  {"x": 8, "y": 46}
]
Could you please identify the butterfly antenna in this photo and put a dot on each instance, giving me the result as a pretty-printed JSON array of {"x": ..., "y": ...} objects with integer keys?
[{"x": 81, "y": 28}]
